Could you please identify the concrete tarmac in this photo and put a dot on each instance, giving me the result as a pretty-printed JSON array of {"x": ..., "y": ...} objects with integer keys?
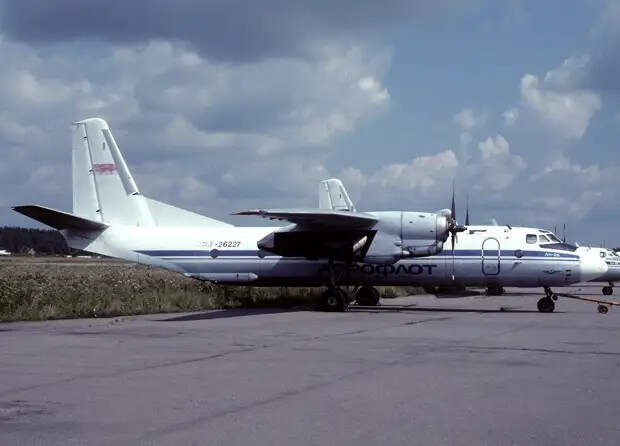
[{"x": 417, "y": 370}]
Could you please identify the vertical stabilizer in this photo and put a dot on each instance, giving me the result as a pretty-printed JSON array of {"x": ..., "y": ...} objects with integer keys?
[
  {"x": 103, "y": 188},
  {"x": 333, "y": 195}
]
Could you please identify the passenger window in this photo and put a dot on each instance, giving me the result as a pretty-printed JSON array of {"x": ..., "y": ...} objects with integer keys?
[
  {"x": 531, "y": 238},
  {"x": 542, "y": 239}
]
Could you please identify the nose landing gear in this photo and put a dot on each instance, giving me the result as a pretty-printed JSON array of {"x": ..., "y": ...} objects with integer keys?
[
  {"x": 547, "y": 304},
  {"x": 608, "y": 290}
]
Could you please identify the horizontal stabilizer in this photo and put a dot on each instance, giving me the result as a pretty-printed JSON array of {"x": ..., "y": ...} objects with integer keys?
[{"x": 58, "y": 219}]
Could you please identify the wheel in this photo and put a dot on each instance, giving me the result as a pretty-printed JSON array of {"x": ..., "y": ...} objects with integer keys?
[
  {"x": 554, "y": 296},
  {"x": 546, "y": 305},
  {"x": 334, "y": 299},
  {"x": 608, "y": 291},
  {"x": 603, "y": 309},
  {"x": 430, "y": 289},
  {"x": 367, "y": 295}
]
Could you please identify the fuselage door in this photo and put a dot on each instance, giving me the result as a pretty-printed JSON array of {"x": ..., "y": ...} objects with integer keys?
[{"x": 490, "y": 257}]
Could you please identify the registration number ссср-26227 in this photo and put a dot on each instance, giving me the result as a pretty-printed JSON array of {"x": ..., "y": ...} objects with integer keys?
[{"x": 221, "y": 244}]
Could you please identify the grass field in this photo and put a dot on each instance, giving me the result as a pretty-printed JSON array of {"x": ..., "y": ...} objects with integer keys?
[{"x": 56, "y": 287}]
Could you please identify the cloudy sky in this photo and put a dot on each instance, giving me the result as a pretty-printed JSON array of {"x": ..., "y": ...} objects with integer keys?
[{"x": 222, "y": 105}]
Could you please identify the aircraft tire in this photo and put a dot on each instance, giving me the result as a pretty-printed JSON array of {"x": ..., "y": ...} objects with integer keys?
[
  {"x": 608, "y": 291},
  {"x": 367, "y": 296},
  {"x": 546, "y": 305},
  {"x": 603, "y": 309},
  {"x": 334, "y": 300}
]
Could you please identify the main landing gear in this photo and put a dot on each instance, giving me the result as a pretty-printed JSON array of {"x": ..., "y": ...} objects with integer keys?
[
  {"x": 546, "y": 304},
  {"x": 334, "y": 298},
  {"x": 608, "y": 290},
  {"x": 367, "y": 296}
]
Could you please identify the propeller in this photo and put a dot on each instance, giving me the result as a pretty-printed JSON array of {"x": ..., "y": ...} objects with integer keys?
[
  {"x": 564, "y": 234},
  {"x": 453, "y": 227}
]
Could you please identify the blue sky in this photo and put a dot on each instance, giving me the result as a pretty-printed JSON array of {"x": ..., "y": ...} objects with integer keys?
[{"x": 219, "y": 106}]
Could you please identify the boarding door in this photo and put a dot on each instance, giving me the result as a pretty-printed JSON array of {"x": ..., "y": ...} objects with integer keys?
[{"x": 490, "y": 257}]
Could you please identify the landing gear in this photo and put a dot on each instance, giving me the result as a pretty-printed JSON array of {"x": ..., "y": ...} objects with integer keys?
[
  {"x": 546, "y": 305},
  {"x": 495, "y": 290},
  {"x": 550, "y": 294},
  {"x": 608, "y": 291},
  {"x": 334, "y": 299},
  {"x": 603, "y": 309},
  {"x": 367, "y": 295}
]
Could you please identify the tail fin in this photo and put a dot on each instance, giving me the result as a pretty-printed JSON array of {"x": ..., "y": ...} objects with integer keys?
[
  {"x": 104, "y": 190},
  {"x": 333, "y": 195}
]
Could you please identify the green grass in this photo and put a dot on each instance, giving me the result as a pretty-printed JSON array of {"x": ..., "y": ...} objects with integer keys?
[{"x": 56, "y": 288}]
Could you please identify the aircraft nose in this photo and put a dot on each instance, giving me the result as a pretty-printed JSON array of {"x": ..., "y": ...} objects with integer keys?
[{"x": 591, "y": 265}]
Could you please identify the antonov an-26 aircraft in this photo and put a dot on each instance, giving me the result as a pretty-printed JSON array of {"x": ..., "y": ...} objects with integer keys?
[{"x": 332, "y": 246}]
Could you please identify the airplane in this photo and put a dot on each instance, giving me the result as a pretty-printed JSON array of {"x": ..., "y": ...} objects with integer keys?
[
  {"x": 612, "y": 259},
  {"x": 334, "y": 246}
]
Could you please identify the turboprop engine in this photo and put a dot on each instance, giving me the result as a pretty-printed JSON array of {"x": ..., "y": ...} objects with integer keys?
[{"x": 407, "y": 234}]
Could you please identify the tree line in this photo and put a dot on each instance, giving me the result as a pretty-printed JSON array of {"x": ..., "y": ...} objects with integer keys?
[{"x": 27, "y": 240}]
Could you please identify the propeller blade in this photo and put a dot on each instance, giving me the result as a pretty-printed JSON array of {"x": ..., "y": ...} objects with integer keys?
[
  {"x": 453, "y": 208},
  {"x": 467, "y": 212},
  {"x": 452, "y": 237}
]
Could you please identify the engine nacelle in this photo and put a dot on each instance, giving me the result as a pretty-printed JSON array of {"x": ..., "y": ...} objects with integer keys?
[{"x": 407, "y": 234}]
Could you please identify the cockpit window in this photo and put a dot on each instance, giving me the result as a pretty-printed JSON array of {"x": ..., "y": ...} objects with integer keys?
[
  {"x": 543, "y": 239},
  {"x": 602, "y": 254},
  {"x": 531, "y": 238},
  {"x": 554, "y": 238}
]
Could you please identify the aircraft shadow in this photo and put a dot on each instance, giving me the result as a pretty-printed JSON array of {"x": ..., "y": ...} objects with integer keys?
[
  {"x": 456, "y": 295},
  {"x": 400, "y": 308},
  {"x": 228, "y": 313}
]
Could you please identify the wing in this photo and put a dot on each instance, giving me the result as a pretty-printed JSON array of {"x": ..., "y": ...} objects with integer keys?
[
  {"x": 317, "y": 233},
  {"x": 317, "y": 218}
]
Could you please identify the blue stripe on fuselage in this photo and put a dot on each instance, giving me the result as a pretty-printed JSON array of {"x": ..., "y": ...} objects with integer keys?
[{"x": 477, "y": 253}]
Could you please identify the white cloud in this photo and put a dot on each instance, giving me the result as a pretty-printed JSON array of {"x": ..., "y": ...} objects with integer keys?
[
  {"x": 510, "y": 116},
  {"x": 422, "y": 174},
  {"x": 176, "y": 113},
  {"x": 376, "y": 92},
  {"x": 467, "y": 119},
  {"x": 498, "y": 168},
  {"x": 490, "y": 147},
  {"x": 570, "y": 74},
  {"x": 566, "y": 113}
]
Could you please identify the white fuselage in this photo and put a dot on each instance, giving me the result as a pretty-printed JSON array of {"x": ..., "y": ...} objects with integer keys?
[{"x": 483, "y": 255}]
